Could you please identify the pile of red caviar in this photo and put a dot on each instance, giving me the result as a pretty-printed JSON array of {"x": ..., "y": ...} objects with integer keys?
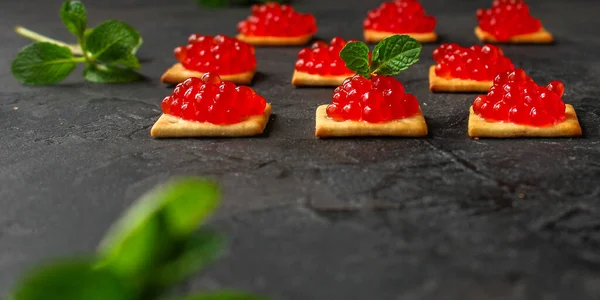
[
  {"x": 323, "y": 59},
  {"x": 220, "y": 54},
  {"x": 214, "y": 101},
  {"x": 476, "y": 63},
  {"x": 516, "y": 98},
  {"x": 506, "y": 19},
  {"x": 376, "y": 100},
  {"x": 400, "y": 16},
  {"x": 274, "y": 19}
]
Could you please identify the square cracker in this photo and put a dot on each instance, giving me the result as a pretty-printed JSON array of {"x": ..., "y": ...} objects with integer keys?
[
  {"x": 374, "y": 36},
  {"x": 169, "y": 126},
  {"x": 306, "y": 79},
  {"x": 414, "y": 126},
  {"x": 178, "y": 73},
  {"x": 479, "y": 127},
  {"x": 441, "y": 84},
  {"x": 540, "y": 37},
  {"x": 275, "y": 40}
]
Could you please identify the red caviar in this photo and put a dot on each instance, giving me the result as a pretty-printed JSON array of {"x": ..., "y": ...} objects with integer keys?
[
  {"x": 481, "y": 63},
  {"x": 400, "y": 16},
  {"x": 323, "y": 59},
  {"x": 516, "y": 98},
  {"x": 507, "y": 18},
  {"x": 376, "y": 100},
  {"x": 274, "y": 19},
  {"x": 221, "y": 54},
  {"x": 214, "y": 101}
]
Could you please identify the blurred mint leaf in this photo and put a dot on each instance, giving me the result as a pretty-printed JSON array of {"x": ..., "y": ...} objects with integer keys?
[
  {"x": 202, "y": 248},
  {"x": 70, "y": 280},
  {"x": 43, "y": 63},
  {"x": 74, "y": 17},
  {"x": 395, "y": 54},
  {"x": 356, "y": 57},
  {"x": 224, "y": 295},
  {"x": 112, "y": 41},
  {"x": 155, "y": 224},
  {"x": 213, "y": 3},
  {"x": 109, "y": 74}
]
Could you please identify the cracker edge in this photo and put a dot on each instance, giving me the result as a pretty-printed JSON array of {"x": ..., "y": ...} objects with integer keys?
[
  {"x": 275, "y": 40},
  {"x": 540, "y": 37},
  {"x": 414, "y": 126},
  {"x": 178, "y": 73},
  {"x": 374, "y": 36},
  {"x": 305, "y": 79},
  {"x": 440, "y": 84},
  {"x": 165, "y": 128},
  {"x": 479, "y": 127}
]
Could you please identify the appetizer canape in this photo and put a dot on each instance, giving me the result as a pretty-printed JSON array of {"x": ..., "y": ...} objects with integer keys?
[
  {"x": 399, "y": 17},
  {"x": 321, "y": 65}
]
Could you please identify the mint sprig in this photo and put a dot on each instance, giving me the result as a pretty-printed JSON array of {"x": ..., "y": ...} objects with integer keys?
[
  {"x": 108, "y": 51},
  {"x": 152, "y": 247},
  {"x": 390, "y": 56}
]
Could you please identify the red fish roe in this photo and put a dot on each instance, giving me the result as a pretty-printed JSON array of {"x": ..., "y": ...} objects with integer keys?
[
  {"x": 507, "y": 18},
  {"x": 376, "y": 100},
  {"x": 481, "y": 63},
  {"x": 323, "y": 59},
  {"x": 280, "y": 20},
  {"x": 214, "y": 101},
  {"x": 220, "y": 54},
  {"x": 400, "y": 16},
  {"x": 516, "y": 98}
]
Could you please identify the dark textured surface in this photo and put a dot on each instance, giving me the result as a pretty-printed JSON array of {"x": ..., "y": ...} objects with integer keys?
[{"x": 443, "y": 217}]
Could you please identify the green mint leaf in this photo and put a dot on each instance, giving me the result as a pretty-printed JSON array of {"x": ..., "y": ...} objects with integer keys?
[
  {"x": 129, "y": 61},
  {"x": 395, "y": 54},
  {"x": 112, "y": 41},
  {"x": 110, "y": 74},
  {"x": 224, "y": 295},
  {"x": 43, "y": 63},
  {"x": 70, "y": 280},
  {"x": 149, "y": 231},
  {"x": 356, "y": 57},
  {"x": 201, "y": 249},
  {"x": 213, "y": 3},
  {"x": 74, "y": 16}
]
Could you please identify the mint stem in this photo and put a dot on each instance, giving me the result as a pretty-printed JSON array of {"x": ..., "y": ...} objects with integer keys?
[{"x": 75, "y": 49}]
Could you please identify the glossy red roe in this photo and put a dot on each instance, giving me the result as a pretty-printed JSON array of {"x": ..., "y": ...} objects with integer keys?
[
  {"x": 516, "y": 98},
  {"x": 220, "y": 54},
  {"x": 274, "y": 19},
  {"x": 481, "y": 63},
  {"x": 323, "y": 59},
  {"x": 376, "y": 100},
  {"x": 400, "y": 16},
  {"x": 214, "y": 101},
  {"x": 507, "y": 18}
]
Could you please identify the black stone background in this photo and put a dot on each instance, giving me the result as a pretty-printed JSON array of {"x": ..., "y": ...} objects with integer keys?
[{"x": 442, "y": 217}]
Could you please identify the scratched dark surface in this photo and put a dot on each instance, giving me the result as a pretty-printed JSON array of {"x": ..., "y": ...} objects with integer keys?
[{"x": 443, "y": 217}]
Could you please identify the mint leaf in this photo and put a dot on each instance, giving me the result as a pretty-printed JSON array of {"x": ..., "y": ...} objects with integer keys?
[
  {"x": 155, "y": 225},
  {"x": 130, "y": 61},
  {"x": 110, "y": 74},
  {"x": 112, "y": 41},
  {"x": 70, "y": 280},
  {"x": 202, "y": 248},
  {"x": 74, "y": 16},
  {"x": 43, "y": 63},
  {"x": 395, "y": 54},
  {"x": 224, "y": 295},
  {"x": 356, "y": 57}
]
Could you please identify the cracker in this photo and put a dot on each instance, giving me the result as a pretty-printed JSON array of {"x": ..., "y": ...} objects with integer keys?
[
  {"x": 441, "y": 84},
  {"x": 414, "y": 126},
  {"x": 169, "y": 126},
  {"x": 374, "y": 36},
  {"x": 305, "y": 79},
  {"x": 540, "y": 37},
  {"x": 275, "y": 40},
  {"x": 178, "y": 73},
  {"x": 479, "y": 127}
]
